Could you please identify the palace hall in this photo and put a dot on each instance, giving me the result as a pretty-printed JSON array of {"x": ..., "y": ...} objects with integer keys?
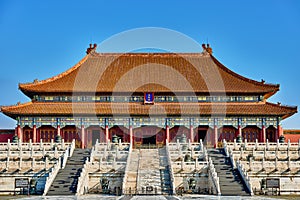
[{"x": 148, "y": 98}]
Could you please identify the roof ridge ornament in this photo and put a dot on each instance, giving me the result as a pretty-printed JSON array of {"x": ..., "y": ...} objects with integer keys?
[
  {"x": 207, "y": 48},
  {"x": 91, "y": 49}
]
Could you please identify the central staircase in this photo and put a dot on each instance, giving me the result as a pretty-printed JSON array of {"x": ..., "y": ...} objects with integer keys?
[
  {"x": 229, "y": 179},
  {"x": 149, "y": 180},
  {"x": 148, "y": 172},
  {"x": 65, "y": 183}
]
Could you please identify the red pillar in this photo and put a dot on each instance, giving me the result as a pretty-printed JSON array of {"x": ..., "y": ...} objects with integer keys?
[
  {"x": 167, "y": 133},
  {"x": 34, "y": 134},
  {"x": 239, "y": 131},
  {"x": 215, "y": 136},
  {"x": 19, "y": 133},
  {"x": 82, "y": 137},
  {"x": 263, "y": 134},
  {"x": 106, "y": 133},
  {"x": 192, "y": 133},
  {"x": 38, "y": 135},
  {"x": 58, "y": 130},
  {"x": 279, "y": 131}
]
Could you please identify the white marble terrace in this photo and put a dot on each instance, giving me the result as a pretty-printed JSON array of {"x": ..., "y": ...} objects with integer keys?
[
  {"x": 258, "y": 161},
  {"x": 36, "y": 161}
]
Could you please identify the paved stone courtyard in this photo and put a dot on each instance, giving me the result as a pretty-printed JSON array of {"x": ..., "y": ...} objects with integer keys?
[{"x": 96, "y": 197}]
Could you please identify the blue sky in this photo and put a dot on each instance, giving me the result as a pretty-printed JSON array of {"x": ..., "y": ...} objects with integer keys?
[{"x": 257, "y": 39}]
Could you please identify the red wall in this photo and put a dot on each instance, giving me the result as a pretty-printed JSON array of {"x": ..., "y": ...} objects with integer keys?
[
  {"x": 6, "y": 134},
  {"x": 292, "y": 137}
]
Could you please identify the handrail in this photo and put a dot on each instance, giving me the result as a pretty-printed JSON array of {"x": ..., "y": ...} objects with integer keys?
[
  {"x": 138, "y": 167},
  {"x": 170, "y": 168},
  {"x": 30, "y": 145},
  {"x": 65, "y": 158},
  {"x": 83, "y": 179},
  {"x": 228, "y": 153},
  {"x": 126, "y": 168},
  {"x": 245, "y": 177},
  {"x": 72, "y": 147},
  {"x": 212, "y": 174},
  {"x": 52, "y": 174},
  {"x": 268, "y": 145}
]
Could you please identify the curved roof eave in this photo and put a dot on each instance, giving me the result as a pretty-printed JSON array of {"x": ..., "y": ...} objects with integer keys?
[
  {"x": 26, "y": 87},
  {"x": 272, "y": 88}
]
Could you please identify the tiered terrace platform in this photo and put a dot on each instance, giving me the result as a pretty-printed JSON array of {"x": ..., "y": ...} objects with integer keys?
[
  {"x": 33, "y": 161},
  {"x": 191, "y": 169},
  {"x": 105, "y": 169},
  {"x": 260, "y": 161}
]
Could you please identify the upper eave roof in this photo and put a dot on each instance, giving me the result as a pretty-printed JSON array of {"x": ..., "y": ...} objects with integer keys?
[{"x": 148, "y": 72}]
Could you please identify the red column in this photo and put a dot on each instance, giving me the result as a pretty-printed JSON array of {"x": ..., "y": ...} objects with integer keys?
[
  {"x": 192, "y": 133},
  {"x": 106, "y": 133},
  {"x": 239, "y": 131},
  {"x": 34, "y": 134},
  {"x": 19, "y": 133},
  {"x": 58, "y": 130},
  {"x": 38, "y": 135},
  {"x": 82, "y": 137},
  {"x": 215, "y": 136},
  {"x": 167, "y": 133},
  {"x": 263, "y": 134},
  {"x": 279, "y": 131}
]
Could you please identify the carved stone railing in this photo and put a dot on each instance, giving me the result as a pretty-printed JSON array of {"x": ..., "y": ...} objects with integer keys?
[
  {"x": 83, "y": 180},
  {"x": 260, "y": 146},
  {"x": 172, "y": 178},
  {"x": 228, "y": 153},
  {"x": 71, "y": 148},
  {"x": 245, "y": 177},
  {"x": 30, "y": 145},
  {"x": 213, "y": 178},
  {"x": 126, "y": 168},
  {"x": 52, "y": 174},
  {"x": 65, "y": 157}
]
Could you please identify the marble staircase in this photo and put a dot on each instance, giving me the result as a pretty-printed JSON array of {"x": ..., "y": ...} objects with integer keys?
[
  {"x": 65, "y": 183},
  {"x": 149, "y": 180},
  {"x": 229, "y": 179}
]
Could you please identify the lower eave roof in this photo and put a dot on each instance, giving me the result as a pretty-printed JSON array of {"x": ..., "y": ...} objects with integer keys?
[{"x": 138, "y": 109}]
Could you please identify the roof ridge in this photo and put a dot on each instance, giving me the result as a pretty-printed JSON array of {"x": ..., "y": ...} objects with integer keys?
[
  {"x": 148, "y": 53},
  {"x": 68, "y": 71}
]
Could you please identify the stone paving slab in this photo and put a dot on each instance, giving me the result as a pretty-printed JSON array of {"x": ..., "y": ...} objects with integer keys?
[{"x": 102, "y": 197}]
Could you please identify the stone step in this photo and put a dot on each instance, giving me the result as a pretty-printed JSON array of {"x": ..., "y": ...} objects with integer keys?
[
  {"x": 65, "y": 183},
  {"x": 230, "y": 182}
]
